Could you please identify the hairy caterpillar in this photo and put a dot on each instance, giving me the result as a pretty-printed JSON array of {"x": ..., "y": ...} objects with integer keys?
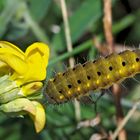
[{"x": 96, "y": 75}]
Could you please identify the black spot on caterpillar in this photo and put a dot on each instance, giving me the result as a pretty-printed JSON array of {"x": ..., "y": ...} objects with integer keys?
[{"x": 92, "y": 75}]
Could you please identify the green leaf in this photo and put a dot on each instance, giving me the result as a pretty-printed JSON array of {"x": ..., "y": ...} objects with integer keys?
[
  {"x": 88, "y": 13},
  {"x": 7, "y": 14},
  {"x": 38, "y": 8},
  {"x": 2, "y": 3}
]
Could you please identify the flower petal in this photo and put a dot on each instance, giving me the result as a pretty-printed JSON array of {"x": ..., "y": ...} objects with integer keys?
[
  {"x": 12, "y": 48},
  {"x": 37, "y": 56},
  {"x": 42, "y": 48},
  {"x": 8, "y": 50},
  {"x": 31, "y": 88},
  {"x": 39, "y": 119},
  {"x": 4, "y": 68},
  {"x": 13, "y": 61},
  {"x": 19, "y": 105}
]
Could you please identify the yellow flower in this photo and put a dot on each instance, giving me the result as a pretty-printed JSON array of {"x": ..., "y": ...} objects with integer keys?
[
  {"x": 27, "y": 67},
  {"x": 21, "y": 76}
]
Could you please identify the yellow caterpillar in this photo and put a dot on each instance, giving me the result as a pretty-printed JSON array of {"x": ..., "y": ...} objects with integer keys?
[{"x": 99, "y": 74}]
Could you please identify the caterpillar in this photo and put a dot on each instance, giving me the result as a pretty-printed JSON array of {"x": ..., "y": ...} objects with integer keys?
[{"x": 99, "y": 74}]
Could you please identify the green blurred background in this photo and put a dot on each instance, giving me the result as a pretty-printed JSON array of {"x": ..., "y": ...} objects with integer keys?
[{"x": 23, "y": 22}]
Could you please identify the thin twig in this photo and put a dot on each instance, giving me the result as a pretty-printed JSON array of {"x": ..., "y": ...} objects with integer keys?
[
  {"x": 90, "y": 122},
  {"x": 107, "y": 20},
  {"x": 116, "y": 89},
  {"x": 119, "y": 112},
  {"x": 67, "y": 30},
  {"x": 69, "y": 48},
  {"x": 125, "y": 120}
]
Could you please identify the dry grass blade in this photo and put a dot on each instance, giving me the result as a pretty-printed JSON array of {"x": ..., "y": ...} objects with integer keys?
[
  {"x": 69, "y": 48},
  {"x": 125, "y": 120}
]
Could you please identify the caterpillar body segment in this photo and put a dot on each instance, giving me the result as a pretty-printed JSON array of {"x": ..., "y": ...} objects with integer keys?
[{"x": 92, "y": 75}]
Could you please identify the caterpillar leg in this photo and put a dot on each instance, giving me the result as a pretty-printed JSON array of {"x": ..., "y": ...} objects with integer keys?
[
  {"x": 95, "y": 102},
  {"x": 87, "y": 99}
]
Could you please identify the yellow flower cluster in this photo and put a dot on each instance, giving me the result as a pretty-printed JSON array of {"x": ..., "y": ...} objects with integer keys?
[{"x": 21, "y": 76}]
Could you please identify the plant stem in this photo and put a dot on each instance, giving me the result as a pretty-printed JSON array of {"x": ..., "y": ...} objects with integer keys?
[{"x": 69, "y": 48}]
